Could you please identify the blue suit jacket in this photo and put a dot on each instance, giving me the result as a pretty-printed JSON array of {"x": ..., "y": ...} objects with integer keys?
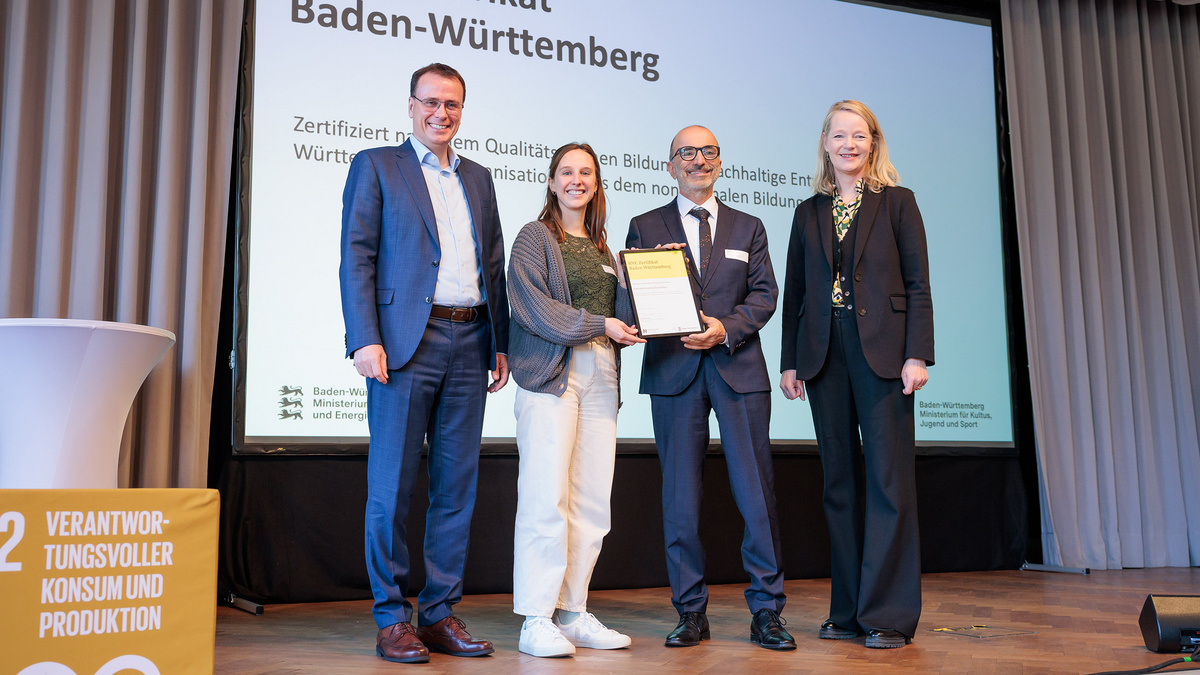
[
  {"x": 741, "y": 294},
  {"x": 391, "y": 252}
]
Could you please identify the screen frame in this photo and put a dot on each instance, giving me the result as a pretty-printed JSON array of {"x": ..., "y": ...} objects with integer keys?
[{"x": 982, "y": 12}]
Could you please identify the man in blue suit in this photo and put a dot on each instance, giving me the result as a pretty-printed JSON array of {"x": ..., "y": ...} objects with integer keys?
[
  {"x": 426, "y": 311},
  {"x": 721, "y": 369}
]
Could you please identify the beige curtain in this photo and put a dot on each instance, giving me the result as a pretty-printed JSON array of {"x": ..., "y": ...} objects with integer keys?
[
  {"x": 116, "y": 128},
  {"x": 1104, "y": 105}
]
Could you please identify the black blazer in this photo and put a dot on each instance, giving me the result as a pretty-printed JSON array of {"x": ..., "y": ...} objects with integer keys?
[{"x": 890, "y": 284}]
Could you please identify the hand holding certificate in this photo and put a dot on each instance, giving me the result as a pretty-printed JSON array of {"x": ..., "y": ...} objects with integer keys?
[{"x": 661, "y": 289}]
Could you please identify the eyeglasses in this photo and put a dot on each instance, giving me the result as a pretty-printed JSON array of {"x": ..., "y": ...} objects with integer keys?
[
  {"x": 687, "y": 153},
  {"x": 432, "y": 104}
]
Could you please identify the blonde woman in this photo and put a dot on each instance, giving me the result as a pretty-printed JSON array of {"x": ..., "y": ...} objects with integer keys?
[{"x": 858, "y": 335}]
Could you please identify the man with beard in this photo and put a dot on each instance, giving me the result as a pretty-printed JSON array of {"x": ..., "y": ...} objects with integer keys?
[{"x": 721, "y": 369}]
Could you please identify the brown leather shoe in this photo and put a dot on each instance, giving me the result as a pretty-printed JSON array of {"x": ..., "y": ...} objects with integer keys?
[
  {"x": 399, "y": 644},
  {"x": 450, "y": 636}
]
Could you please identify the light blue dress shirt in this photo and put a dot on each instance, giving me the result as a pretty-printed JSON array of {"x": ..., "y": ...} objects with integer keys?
[{"x": 458, "y": 282}]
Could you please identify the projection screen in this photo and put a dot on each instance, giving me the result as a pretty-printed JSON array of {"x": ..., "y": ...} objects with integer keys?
[{"x": 328, "y": 79}]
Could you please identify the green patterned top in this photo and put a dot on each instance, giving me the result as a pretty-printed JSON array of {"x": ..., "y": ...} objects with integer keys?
[
  {"x": 592, "y": 289},
  {"x": 843, "y": 215}
]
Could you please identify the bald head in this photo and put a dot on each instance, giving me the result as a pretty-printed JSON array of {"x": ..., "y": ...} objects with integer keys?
[{"x": 690, "y": 136}]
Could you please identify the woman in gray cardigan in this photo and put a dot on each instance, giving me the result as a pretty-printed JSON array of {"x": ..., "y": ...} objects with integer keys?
[{"x": 568, "y": 317}]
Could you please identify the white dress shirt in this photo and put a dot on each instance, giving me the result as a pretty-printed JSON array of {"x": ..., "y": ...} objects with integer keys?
[
  {"x": 458, "y": 281},
  {"x": 691, "y": 226},
  {"x": 691, "y": 229}
]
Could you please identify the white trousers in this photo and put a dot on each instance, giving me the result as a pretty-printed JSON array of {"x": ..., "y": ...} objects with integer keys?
[{"x": 568, "y": 448}]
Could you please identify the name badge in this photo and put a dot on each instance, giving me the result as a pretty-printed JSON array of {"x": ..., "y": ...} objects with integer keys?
[
  {"x": 608, "y": 269},
  {"x": 737, "y": 255}
]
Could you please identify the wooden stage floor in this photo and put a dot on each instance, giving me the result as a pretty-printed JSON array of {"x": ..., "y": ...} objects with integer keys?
[{"x": 1071, "y": 624}]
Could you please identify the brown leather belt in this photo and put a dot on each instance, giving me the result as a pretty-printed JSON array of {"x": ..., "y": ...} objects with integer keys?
[{"x": 458, "y": 314}]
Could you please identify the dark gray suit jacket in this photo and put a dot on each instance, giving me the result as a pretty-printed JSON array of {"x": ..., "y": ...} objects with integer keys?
[{"x": 741, "y": 294}]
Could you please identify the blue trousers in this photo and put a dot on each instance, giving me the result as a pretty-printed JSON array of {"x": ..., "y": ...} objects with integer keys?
[
  {"x": 438, "y": 395},
  {"x": 681, "y": 435}
]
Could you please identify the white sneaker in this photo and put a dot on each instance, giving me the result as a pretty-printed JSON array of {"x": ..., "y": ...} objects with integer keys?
[
  {"x": 540, "y": 637},
  {"x": 587, "y": 631}
]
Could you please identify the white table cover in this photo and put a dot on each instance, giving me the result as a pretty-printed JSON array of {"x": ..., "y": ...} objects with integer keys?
[{"x": 66, "y": 386}]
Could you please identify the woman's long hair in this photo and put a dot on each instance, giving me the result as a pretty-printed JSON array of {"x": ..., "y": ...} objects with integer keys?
[
  {"x": 879, "y": 174},
  {"x": 597, "y": 209}
]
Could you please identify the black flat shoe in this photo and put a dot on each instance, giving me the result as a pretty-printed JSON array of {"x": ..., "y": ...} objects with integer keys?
[
  {"x": 767, "y": 631},
  {"x": 832, "y": 631},
  {"x": 886, "y": 639},
  {"x": 692, "y": 628}
]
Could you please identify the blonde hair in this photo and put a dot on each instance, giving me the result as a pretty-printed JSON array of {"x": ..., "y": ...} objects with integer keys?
[{"x": 879, "y": 174}]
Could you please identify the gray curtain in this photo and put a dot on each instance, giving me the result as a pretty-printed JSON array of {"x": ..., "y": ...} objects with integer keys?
[
  {"x": 1104, "y": 104},
  {"x": 116, "y": 128}
]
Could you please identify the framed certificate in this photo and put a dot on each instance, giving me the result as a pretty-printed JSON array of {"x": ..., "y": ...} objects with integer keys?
[{"x": 660, "y": 286}]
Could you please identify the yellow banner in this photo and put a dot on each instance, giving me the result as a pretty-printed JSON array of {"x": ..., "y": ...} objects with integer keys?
[
  {"x": 655, "y": 264},
  {"x": 108, "y": 581}
]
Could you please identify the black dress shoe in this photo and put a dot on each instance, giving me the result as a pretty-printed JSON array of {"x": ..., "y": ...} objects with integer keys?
[
  {"x": 692, "y": 628},
  {"x": 832, "y": 631},
  {"x": 886, "y": 639},
  {"x": 766, "y": 631}
]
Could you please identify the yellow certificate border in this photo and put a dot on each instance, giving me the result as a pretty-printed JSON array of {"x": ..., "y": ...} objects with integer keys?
[{"x": 655, "y": 263}]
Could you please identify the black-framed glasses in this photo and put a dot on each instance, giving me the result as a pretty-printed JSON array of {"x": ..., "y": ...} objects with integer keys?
[
  {"x": 687, "y": 153},
  {"x": 432, "y": 104}
]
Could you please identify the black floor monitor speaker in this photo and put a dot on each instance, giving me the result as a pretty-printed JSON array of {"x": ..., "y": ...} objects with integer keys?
[{"x": 1171, "y": 623}]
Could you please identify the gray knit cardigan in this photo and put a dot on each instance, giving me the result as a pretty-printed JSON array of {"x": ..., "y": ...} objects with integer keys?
[{"x": 543, "y": 326}]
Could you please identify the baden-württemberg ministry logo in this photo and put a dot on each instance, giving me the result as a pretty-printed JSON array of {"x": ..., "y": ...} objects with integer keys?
[{"x": 291, "y": 403}]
